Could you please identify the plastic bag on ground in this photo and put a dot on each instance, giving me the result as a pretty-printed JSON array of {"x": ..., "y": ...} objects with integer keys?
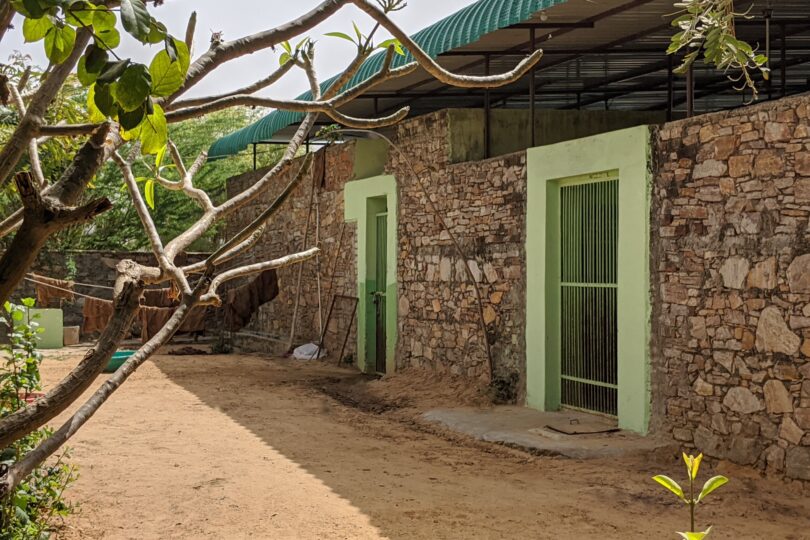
[{"x": 308, "y": 351}]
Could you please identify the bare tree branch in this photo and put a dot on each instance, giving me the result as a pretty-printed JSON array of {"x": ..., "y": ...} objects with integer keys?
[
  {"x": 220, "y": 53},
  {"x": 33, "y": 145},
  {"x": 211, "y": 297},
  {"x": 34, "y": 118},
  {"x": 247, "y": 90}
]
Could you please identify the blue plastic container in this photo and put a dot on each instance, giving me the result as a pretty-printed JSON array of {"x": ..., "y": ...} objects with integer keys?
[{"x": 118, "y": 358}]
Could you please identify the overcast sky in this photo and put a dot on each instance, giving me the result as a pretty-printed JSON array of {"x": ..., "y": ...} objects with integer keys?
[{"x": 237, "y": 18}]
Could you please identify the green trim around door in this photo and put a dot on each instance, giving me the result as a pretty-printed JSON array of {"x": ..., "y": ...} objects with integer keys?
[
  {"x": 624, "y": 154},
  {"x": 364, "y": 200}
]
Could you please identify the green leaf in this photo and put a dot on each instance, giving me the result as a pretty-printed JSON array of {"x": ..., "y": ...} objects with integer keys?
[
  {"x": 357, "y": 32},
  {"x": 97, "y": 58},
  {"x": 670, "y": 484},
  {"x": 286, "y": 46},
  {"x": 149, "y": 193},
  {"x": 695, "y": 535},
  {"x": 159, "y": 157},
  {"x": 692, "y": 464},
  {"x": 109, "y": 38},
  {"x": 136, "y": 19},
  {"x": 103, "y": 19},
  {"x": 80, "y": 14},
  {"x": 103, "y": 99},
  {"x": 284, "y": 58},
  {"x": 340, "y": 35},
  {"x": 94, "y": 114},
  {"x": 710, "y": 485},
  {"x": 168, "y": 76},
  {"x": 130, "y": 120},
  {"x": 152, "y": 132},
  {"x": 85, "y": 75},
  {"x": 36, "y": 29},
  {"x": 395, "y": 43},
  {"x": 29, "y": 302},
  {"x": 59, "y": 43},
  {"x": 34, "y": 9},
  {"x": 133, "y": 87},
  {"x": 157, "y": 32},
  {"x": 113, "y": 70}
]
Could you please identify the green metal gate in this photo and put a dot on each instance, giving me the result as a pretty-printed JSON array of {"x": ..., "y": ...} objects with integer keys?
[
  {"x": 588, "y": 255},
  {"x": 381, "y": 278}
]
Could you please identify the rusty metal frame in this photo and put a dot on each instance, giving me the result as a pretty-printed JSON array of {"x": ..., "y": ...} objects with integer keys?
[{"x": 355, "y": 301}]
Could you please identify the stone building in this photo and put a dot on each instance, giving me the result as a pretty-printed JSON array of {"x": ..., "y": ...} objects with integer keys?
[{"x": 649, "y": 269}]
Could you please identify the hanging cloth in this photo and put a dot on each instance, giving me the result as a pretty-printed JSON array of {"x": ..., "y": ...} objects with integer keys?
[
  {"x": 50, "y": 290},
  {"x": 96, "y": 314},
  {"x": 242, "y": 302}
]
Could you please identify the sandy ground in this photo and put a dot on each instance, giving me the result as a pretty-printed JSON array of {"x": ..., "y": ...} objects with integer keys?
[{"x": 232, "y": 447}]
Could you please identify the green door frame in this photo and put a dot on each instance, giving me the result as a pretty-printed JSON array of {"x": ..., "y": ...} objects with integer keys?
[
  {"x": 628, "y": 152},
  {"x": 363, "y": 200}
]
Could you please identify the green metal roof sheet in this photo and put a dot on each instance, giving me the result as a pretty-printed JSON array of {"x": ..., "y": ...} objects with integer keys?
[{"x": 461, "y": 28}]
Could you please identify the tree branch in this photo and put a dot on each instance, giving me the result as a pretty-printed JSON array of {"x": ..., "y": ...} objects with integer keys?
[
  {"x": 24, "y": 421},
  {"x": 35, "y": 115},
  {"x": 211, "y": 297},
  {"x": 46, "y": 448},
  {"x": 247, "y": 90},
  {"x": 224, "y": 52}
]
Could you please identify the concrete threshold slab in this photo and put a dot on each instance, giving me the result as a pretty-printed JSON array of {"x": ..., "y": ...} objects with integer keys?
[{"x": 528, "y": 429}]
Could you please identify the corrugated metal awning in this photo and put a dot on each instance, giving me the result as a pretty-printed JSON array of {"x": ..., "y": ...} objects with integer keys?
[{"x": 462, "y": 28}]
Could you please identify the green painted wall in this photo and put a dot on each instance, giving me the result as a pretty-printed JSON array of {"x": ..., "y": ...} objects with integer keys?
[
  {"x": 511, "y": 130},
  {"x": 627, "y": 153},
  {"x": 51, "y": 321},
  {"x": 370, "y": 156},
  {"x": 363, "y": 199}
]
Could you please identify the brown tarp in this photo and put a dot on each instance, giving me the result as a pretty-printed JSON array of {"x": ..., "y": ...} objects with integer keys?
[
  {"x": 155, "y": 318},
  {"x": 46, "y": 294},
  {"x": 166, "y": 297},
  {"x": 97, "y": 314},
  {"x": 242, "y": 302}
]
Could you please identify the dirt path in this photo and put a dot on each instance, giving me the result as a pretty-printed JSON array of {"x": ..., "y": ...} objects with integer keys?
[{"x": 242, "y": 447}]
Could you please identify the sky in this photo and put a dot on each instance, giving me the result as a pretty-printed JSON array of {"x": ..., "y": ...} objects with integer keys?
[{"x": 237, "y": 18}]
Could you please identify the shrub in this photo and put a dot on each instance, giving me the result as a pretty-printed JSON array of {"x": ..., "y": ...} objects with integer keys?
[{"x": 28, "y": 511}]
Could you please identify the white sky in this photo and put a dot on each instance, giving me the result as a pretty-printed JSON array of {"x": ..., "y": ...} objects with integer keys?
[{"x": 237, "y": 18}]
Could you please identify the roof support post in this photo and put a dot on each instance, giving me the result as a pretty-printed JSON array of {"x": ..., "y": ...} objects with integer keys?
[
  {"x": 783, "y": 74},
  {"x": 768, "y": 82},
  {"x": 532, "y": 89},
  {"x": 487, "y": 119},
  {"x": 670, "y": 87},
  {"x": 690, "y": 91},
  {"x": 254, "y": 156}
]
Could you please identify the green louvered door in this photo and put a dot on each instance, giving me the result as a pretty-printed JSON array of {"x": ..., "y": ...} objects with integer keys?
[
  {"x": 588, "y": 341},
  {"x": 381, "y": 279}
]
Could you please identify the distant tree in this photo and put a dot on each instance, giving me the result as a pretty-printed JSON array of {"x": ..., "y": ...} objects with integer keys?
[{"x": 707, "y": 30}]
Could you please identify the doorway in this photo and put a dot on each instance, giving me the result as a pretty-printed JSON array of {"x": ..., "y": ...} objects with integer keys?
[
  {"x": 379, "y": 292},
  {"x": 587, "y": 290}
]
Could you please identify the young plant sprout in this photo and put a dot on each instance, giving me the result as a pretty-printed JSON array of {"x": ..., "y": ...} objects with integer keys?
[{"x": 692, "y": 467}]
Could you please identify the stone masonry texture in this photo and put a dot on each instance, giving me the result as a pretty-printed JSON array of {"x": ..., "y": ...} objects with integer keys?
[
  {"x": 482, "y": 202},
  {"x": 731, "y": 285}
]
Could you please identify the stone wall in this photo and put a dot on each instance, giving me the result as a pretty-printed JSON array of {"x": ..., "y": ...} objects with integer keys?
[
  {"x": 483, "y": 204},
  {"x": 270, "y": 329},
  {"x": 731, "y": 285},
  {"x": 438, "y": 325}
]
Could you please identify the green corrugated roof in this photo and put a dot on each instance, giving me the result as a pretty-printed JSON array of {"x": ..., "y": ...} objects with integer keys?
[{"x": 461, "y": 28}]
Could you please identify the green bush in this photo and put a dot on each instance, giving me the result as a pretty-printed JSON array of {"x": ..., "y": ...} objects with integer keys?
[{"x": 28, "y": 512}]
